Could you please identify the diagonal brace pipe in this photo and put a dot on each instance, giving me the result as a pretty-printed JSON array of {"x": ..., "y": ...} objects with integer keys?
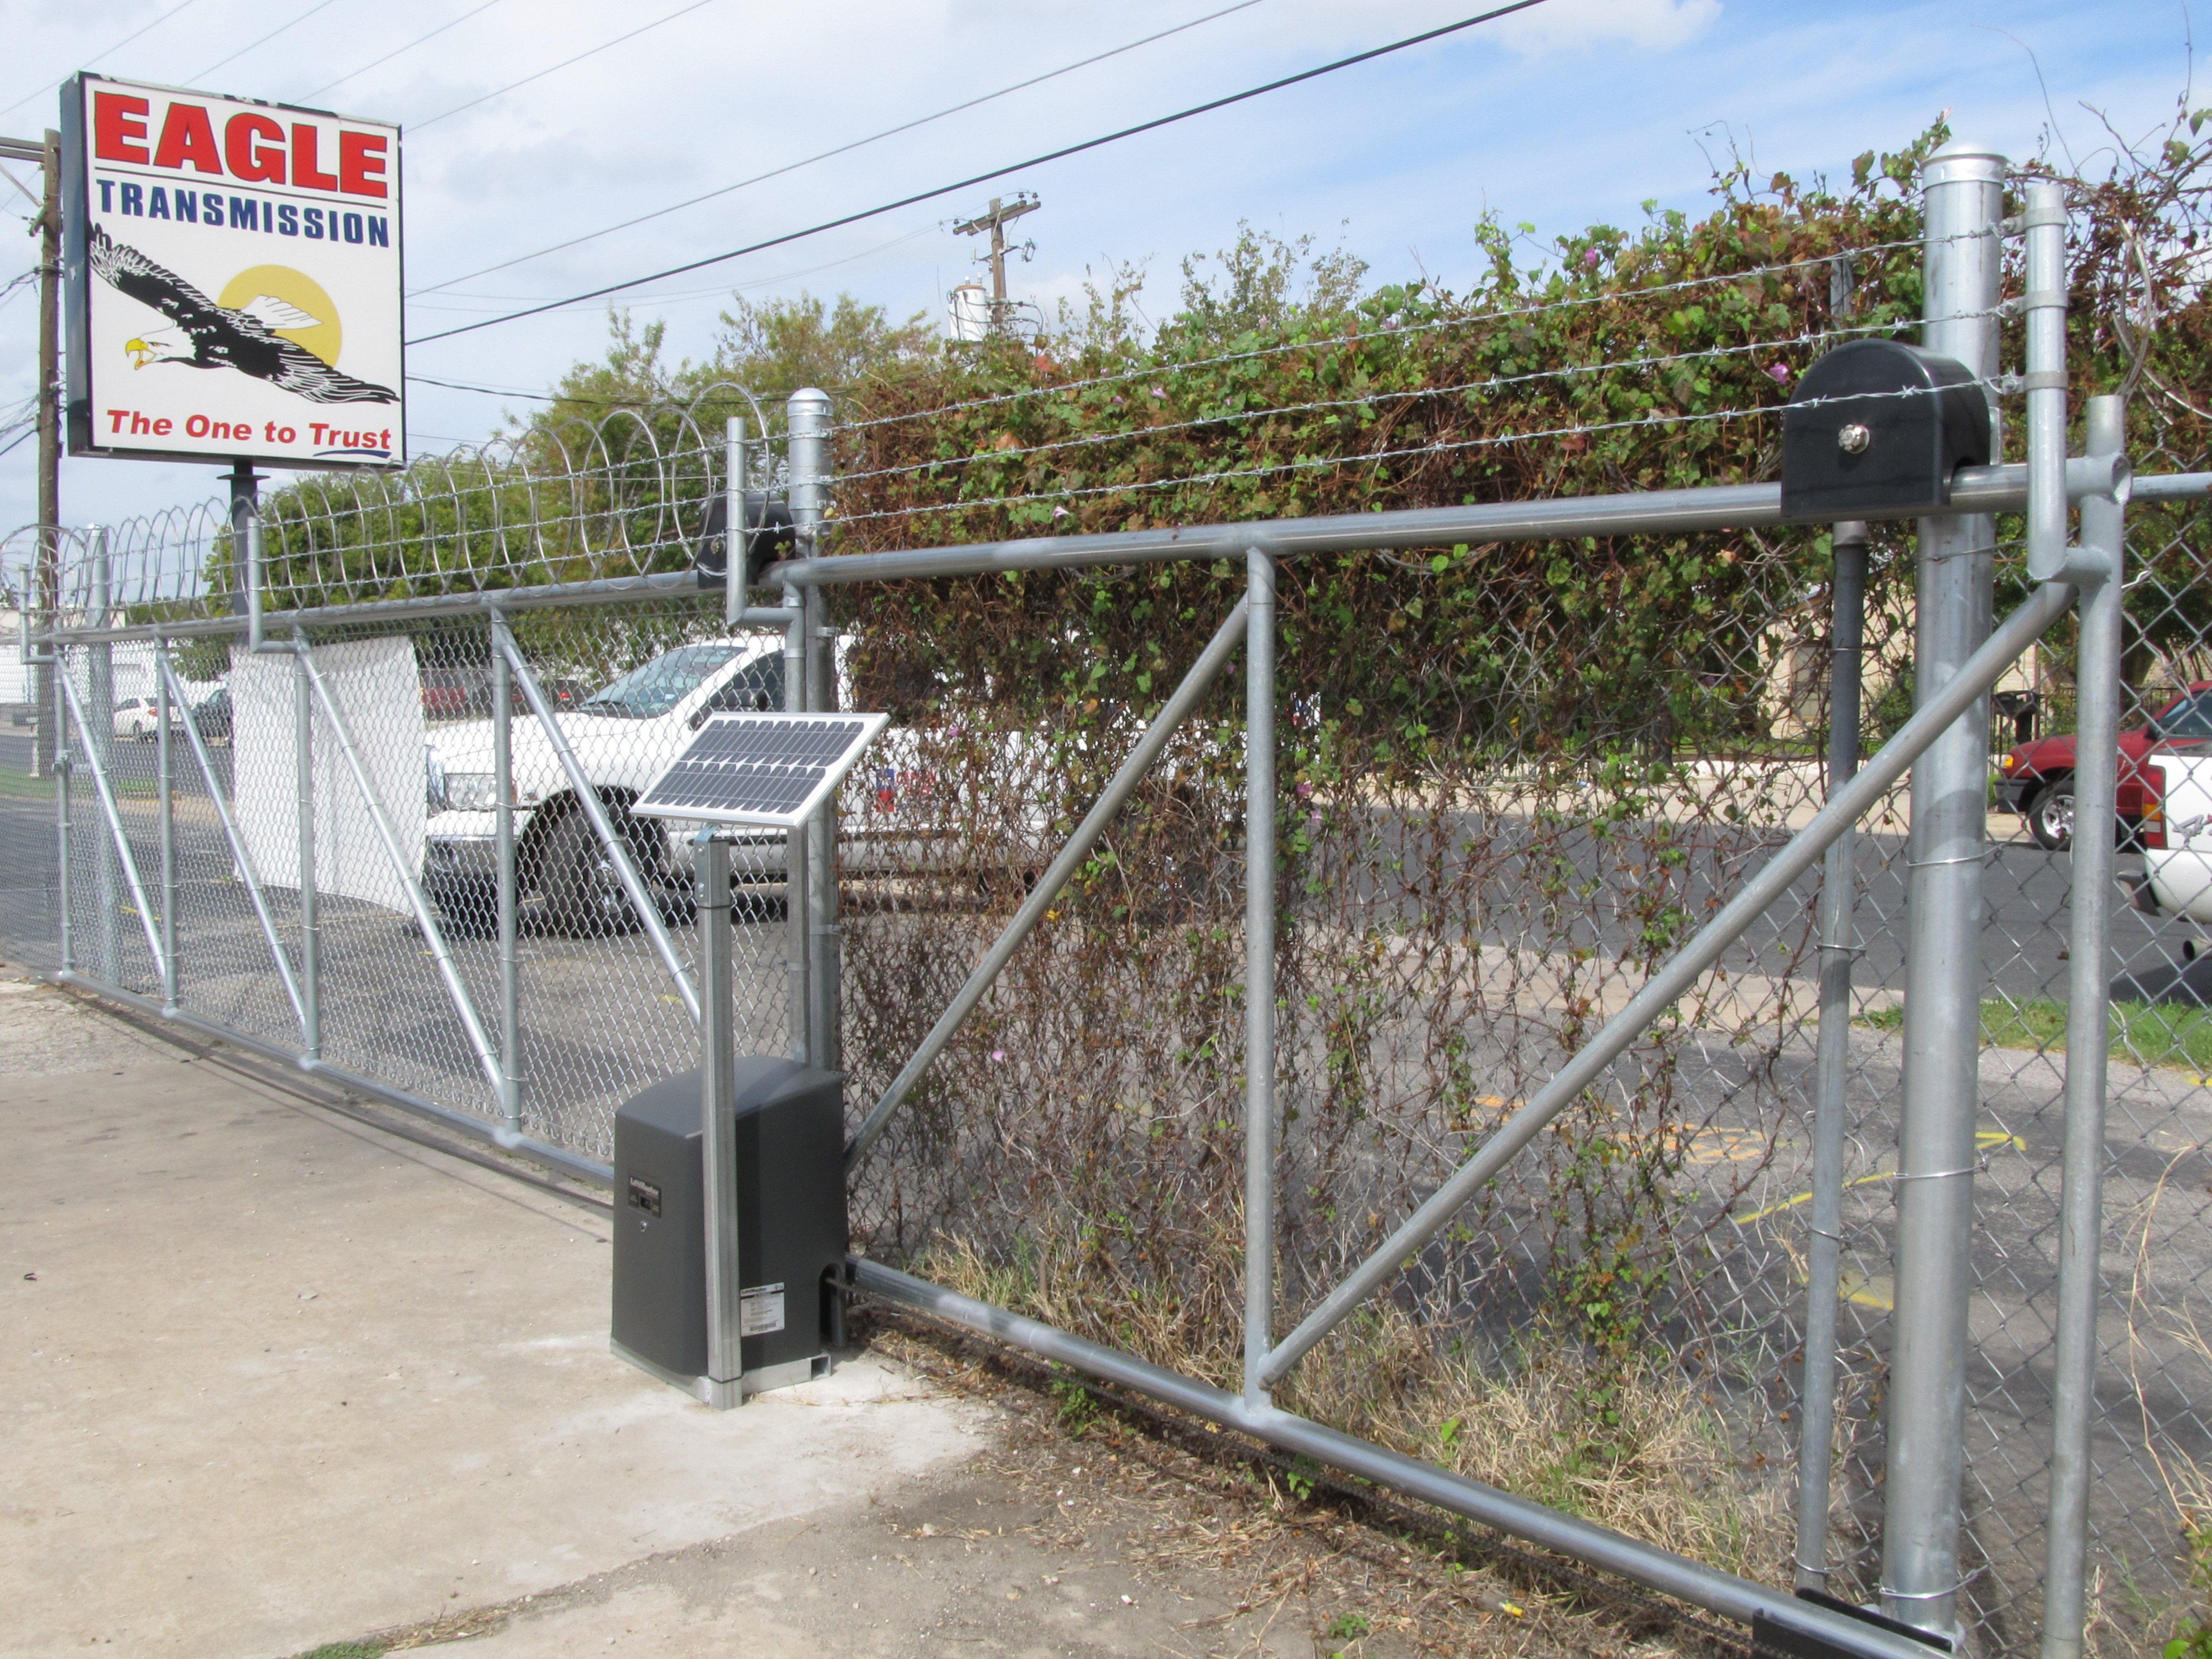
[
  {"x": 595, "y": 811},
  {"x": 243, "y": 859},
  {"x": 1178, "y": 709},
  {"x": 487, "y": 1056},
  {"x": 115, "y": 826},
  {"x": 1845, "y": 808}
]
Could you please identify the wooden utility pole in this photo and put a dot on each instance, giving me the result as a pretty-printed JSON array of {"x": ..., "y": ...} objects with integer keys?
[
  {"x": 1001, "y": 215},
  {"x": 42, "y": 592}
]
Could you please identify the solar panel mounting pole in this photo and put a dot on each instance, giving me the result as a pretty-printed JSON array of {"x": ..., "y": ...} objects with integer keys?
[
  {"x": 794, "y": 842},
  {"x": 718, "y": 1153}
]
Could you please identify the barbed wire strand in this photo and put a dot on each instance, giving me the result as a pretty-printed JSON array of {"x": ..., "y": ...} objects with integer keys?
[{"x": 1062, "y": 388}]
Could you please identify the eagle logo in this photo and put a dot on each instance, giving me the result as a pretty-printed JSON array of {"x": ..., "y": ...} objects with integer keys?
[{"x": 222, "y": 337}]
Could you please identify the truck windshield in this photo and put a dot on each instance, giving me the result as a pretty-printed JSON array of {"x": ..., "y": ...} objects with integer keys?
[{"x": 647, "y": 693}]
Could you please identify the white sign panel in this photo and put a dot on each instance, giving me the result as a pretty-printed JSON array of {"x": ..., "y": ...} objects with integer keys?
[
  {"x": 376, "y": 683},
  {"x": 233, "y": 273}
]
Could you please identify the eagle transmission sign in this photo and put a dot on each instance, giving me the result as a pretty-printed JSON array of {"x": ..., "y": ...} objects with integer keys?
[{"x": 232, "y": 270}]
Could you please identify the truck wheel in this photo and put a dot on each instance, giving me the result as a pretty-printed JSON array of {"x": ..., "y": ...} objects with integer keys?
[
  {"x": 2050, "y": 814},
  {"x": 582, "y": 889}
]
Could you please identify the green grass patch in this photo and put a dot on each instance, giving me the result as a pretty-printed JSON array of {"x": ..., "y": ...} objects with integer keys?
[
  {"x": 21, "y": 785},
  {"x": 2147, "y": 1033},
  {"x": 347, "y": 1651}
]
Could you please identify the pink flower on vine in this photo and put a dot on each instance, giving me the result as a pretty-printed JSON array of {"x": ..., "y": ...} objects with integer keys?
[
  {"x": 997, "y": 1056},
  {"x": 1160, "y": 392},
  {"x": 1780, "y": 372},
  {"x": 1590, "y": 259}
]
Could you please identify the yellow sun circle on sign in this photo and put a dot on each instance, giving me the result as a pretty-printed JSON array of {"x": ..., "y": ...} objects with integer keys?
[{"x": 298, "y": 290}]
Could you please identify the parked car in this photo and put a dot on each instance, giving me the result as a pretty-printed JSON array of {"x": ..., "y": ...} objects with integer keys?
[
  {"x": 2037, "y": 779},
  {"x": 140, "y": 717},
  {"x": 2178, "y": 873},
  {"x": 624, "y": 736},
  {"x": 211, "y": 715},
  {"x": 460, "y": 693}
]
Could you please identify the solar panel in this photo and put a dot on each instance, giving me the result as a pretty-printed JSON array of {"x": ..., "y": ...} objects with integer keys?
[{"x": 772, "y": 770}]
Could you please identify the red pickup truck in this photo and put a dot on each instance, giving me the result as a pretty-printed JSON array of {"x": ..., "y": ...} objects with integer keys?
[{"x": 2037, "y": 779}]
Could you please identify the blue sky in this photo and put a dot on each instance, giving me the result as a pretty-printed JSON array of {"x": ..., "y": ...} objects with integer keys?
[{"x": 1572, "y": 113}]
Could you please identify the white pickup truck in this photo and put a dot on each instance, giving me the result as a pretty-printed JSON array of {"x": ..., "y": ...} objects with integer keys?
[
  {"x": 623, "y": 736},
  {"x": 626, "y": 734}
]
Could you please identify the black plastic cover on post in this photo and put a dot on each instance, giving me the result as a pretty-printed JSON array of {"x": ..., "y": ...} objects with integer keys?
[
  {"x": 772, "y": 538},
  {"x": 1876, "y": 428}
]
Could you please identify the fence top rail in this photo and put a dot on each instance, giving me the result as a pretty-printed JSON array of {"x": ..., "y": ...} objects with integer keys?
[
  {"x": 1663, "y": 512},
  {"x": 1659, "y": 512}
]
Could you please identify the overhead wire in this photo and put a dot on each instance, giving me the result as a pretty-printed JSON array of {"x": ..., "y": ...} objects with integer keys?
[
  {"x": 645, "y": 28},
  {"x": 1065, "y": 150},
  {"x": 840, "y": 149},
  {"x": 102, "y": 52},
  {"x": 319, "y": 5},
  {"x": 401, "y": 50}
]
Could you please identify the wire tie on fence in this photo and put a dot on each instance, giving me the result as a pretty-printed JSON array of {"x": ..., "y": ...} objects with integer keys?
[
  {"x": 2043, "y": 380},
  {"x": 1888, "y": 1594},
  {"x": 1964, "y": 858},
  {"x": 1803, "y": 1565},
  {"x": 1844, "y": 950},
  {"x": 1975, "y": 1168},
  {"x": 1822, "y": 1232}
]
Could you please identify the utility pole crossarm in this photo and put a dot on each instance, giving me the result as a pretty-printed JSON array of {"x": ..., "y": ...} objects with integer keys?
[{"x": 1001, "y": 213}]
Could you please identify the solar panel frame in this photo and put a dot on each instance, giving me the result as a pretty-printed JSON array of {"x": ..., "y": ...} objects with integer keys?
[{"x": 770, "y": 770}]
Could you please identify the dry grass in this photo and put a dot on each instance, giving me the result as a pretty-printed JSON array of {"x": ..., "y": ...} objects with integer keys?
[{"x": 1635, "y": 1449}]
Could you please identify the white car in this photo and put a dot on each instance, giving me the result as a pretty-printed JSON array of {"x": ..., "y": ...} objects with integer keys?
[
  {"x": 2178, "y": 876},
  {"x": 141, "y": 717}
]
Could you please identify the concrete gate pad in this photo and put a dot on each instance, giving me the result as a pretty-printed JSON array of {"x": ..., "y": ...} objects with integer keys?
[{"x": 275, "y": 1379}]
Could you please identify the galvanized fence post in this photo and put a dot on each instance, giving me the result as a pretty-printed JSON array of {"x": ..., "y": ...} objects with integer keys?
[
  {"x": 797, "y": 940},
  {"x": 510, "y": 975},
  {"x": 99, "y": 745},
  {"x": 1831, "y": 1068},
  {"x": 1964, "y": 190},
  {"x": 809, "y": 425},
  {"x": 1259, "y": 972},
  {"x": 303, "y": 769},
  {"x": 164, "y": 709},
  {"x": 65, "y": 938},
  {"x": 2088, "y": 1031}
]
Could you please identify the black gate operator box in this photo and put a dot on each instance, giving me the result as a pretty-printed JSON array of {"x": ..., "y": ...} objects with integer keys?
[{"x": 792, "y": 1231}]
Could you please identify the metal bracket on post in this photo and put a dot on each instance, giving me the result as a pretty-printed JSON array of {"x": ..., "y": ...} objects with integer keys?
[
  {"x": 717, "y": 1151},
  {"x": 595, "y": 811}
]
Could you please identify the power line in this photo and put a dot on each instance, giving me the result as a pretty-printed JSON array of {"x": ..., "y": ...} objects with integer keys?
[
  {"x": 355, "y": 73},
  {"x": 874, "y": 138},
  {"x": 319, "y": 5},
  {"x": 103, "y": 53},
  {"x": 997, "y": 172},
  {"x": 681, "y": 11}
]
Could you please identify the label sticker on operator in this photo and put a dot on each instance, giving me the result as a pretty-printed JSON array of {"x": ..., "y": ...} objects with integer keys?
[
  {"x": 644, "y": 1196},
  {"x": 760, "y": 1309}
]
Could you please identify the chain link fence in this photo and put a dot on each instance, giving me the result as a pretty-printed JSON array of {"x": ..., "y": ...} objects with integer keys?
[{"x": 1486, "y": 845}]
